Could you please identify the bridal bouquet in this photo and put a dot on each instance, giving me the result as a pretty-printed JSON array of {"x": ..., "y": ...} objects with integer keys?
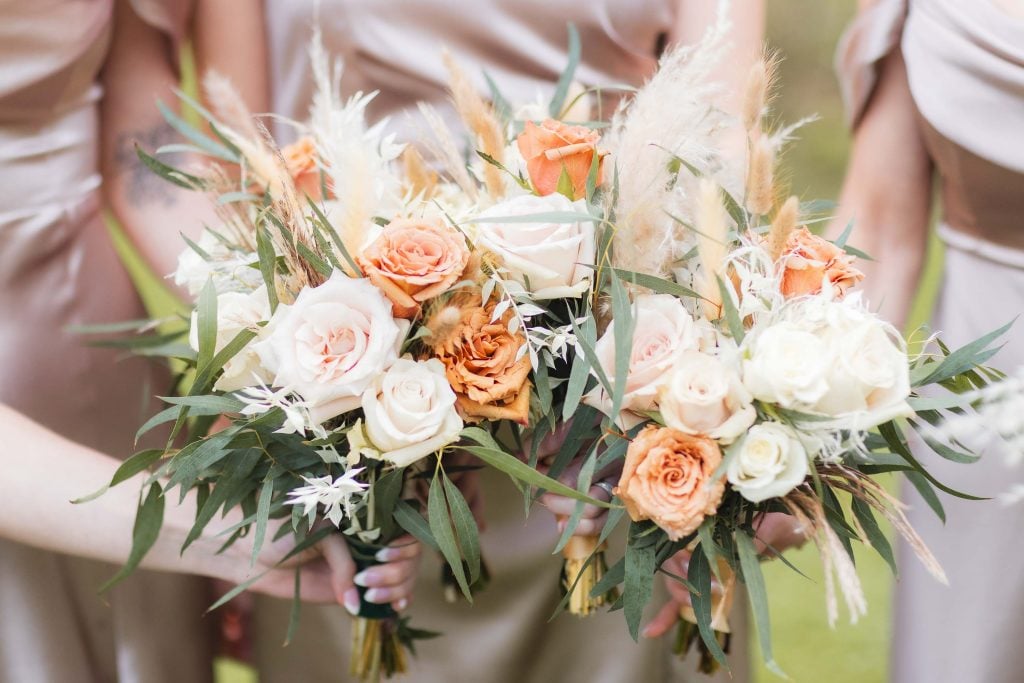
[
  {"x": 351, "y": 325},
  {"x": 738, "y": 369}
]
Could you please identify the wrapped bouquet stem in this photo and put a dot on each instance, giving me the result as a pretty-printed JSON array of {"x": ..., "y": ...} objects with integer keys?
[
  {"x": 584, "y": 567},
  {"x": 378, "y": 650}
]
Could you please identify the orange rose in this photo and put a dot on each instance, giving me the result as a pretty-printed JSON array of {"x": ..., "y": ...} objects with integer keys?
[
  {"x": 808, "y": 260},
  {"x": 482, "y": 365},
  {"x": 553, "y": 147},
  {"x": 413, "y": 261},
  {"x": 300, "y": 159},
  {"x": 667, "y": 478}
]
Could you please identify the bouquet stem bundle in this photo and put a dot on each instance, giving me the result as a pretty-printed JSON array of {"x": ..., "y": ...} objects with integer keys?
[
  {"x": 580, "y": 574},
  {"x": 378, "y": 651}
]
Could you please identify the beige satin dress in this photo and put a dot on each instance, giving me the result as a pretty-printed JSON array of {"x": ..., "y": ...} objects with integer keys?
[
  {"x": 395, "y": 47},
  {"x": 57, "y": 269},
  {"x": 965, "y": 63}
]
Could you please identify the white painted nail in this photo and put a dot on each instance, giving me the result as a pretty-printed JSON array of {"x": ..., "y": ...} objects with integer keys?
[{"x": 351, "y": 601}]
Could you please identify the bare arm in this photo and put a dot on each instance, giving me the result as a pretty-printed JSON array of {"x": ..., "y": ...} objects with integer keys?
[
  {"x": 140, "y": 70},
  {"x": 887, "y": 192},
  {"x": 746, "y": 40},
  {"x": 36, "y": 509}
]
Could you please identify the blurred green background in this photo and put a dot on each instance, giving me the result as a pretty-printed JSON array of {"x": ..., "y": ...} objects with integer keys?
[{"x": 806, "y": 648}]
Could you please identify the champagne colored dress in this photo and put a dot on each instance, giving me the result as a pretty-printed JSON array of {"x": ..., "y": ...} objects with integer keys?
[
  {"x": 57, "y": 269},
  {"x": 965, "y": 64},
  {"x": 395, "y": 47}
]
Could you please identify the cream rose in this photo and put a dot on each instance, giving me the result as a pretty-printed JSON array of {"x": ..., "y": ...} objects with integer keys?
[
  {"x": 831, "y": 358},
  {"x": 410, "y": 411},
  {"x": 236, "y": 312},
  {"x": 769, "y": 462},
  {"x": 331, "y": 344},
  {"x": 663, "y": 329},
  {"x": 704, "y": 395},
  {"x": 551, "y": 259},
  {"x": 869, "y": 380},
  {"x": 788, "y": 365}
]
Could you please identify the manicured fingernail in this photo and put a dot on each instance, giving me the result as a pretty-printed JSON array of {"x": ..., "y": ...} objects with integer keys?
[
  {"x": 401, "y": 605},
  {"x": 351, "y": 601},
  {"x": 646, "y": 633},
  {"x": 375, "y": 595},
  {"x": 385, "y": 555},
  {"x": 360, "y": 578},
  {"x": 561, "y": 526}
]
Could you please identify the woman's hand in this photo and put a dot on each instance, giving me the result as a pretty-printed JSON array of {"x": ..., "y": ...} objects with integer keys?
[
  {"x": 327, "y": 573},
  {"x": 592, "y": 518}
]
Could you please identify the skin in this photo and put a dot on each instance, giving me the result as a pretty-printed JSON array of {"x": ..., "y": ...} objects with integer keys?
[
  {"x": 888, "y": 193},
  {"x": 141, "y": 70},
  {"x": 38, "y": 511}
]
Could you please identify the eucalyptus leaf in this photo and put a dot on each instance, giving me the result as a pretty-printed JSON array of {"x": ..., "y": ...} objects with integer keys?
[
  {"x": 148, "y": 519},
  {"x": 441, "y": 528},
  {"x": 566, "y": 77},
  {"x": 465, "y": 528},
  {"x": 639, "y": 583},
  {"x": 758, "y": 593},
  {"x": 699, "y": 573},
  {"x": 413, "y": 522}
]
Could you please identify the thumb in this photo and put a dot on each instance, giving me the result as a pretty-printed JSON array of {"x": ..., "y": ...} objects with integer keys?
[
  {"x": 666, "y": 617},
  {"x": 343, "y": 569}
]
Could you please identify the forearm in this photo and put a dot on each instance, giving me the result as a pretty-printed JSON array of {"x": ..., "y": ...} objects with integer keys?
[
  {"x": 744, "y": 44},
  {"x": 44, "y": 472},
  {"x": 139, "y": 72},
  {"x": 887, "y": 194}
]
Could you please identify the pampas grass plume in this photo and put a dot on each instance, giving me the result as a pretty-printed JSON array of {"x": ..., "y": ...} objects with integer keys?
[{"x": 760, "y": 178}]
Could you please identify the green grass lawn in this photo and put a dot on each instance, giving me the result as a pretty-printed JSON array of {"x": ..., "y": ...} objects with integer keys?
[{"x": 805, "y": 646}]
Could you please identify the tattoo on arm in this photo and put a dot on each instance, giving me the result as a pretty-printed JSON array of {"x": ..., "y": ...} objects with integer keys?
[{"x": 143, "y": 186}]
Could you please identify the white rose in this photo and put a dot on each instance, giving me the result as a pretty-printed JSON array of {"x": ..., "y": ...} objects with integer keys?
[
  {"x": 236, "y": 312},
  {"x": 831, "y": 358},
  {"x": 410, "y": 411},
  {"x": 551, "y": 259},
  {"x": 331, "y": 344},
  {"x": 869, "y": 379},
  {"x": 662, "y": 330},
  {"x": 769, "y": 462},
  {"x": 787, "y": 365},
  {"x": 231, "y": 270},
  {"x": 704, "y": 395}
]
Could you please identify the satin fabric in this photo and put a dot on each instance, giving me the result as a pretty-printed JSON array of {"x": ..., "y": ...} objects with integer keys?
[
  {"x": 394, "y": 47},
  {"x": 58, "y": 269},
  {"x": 965, "y": 65}
]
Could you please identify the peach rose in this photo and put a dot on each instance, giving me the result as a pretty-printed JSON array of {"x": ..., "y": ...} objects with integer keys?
[
  {"x": 553, "y": 147},
  {"x": 300, "y": 158},
  {"x": 808, "y": 261},
  {"x": 413, "y": 261},
  {"x": 667, "y": 478},
  {"x": 483, "y": 365}
]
